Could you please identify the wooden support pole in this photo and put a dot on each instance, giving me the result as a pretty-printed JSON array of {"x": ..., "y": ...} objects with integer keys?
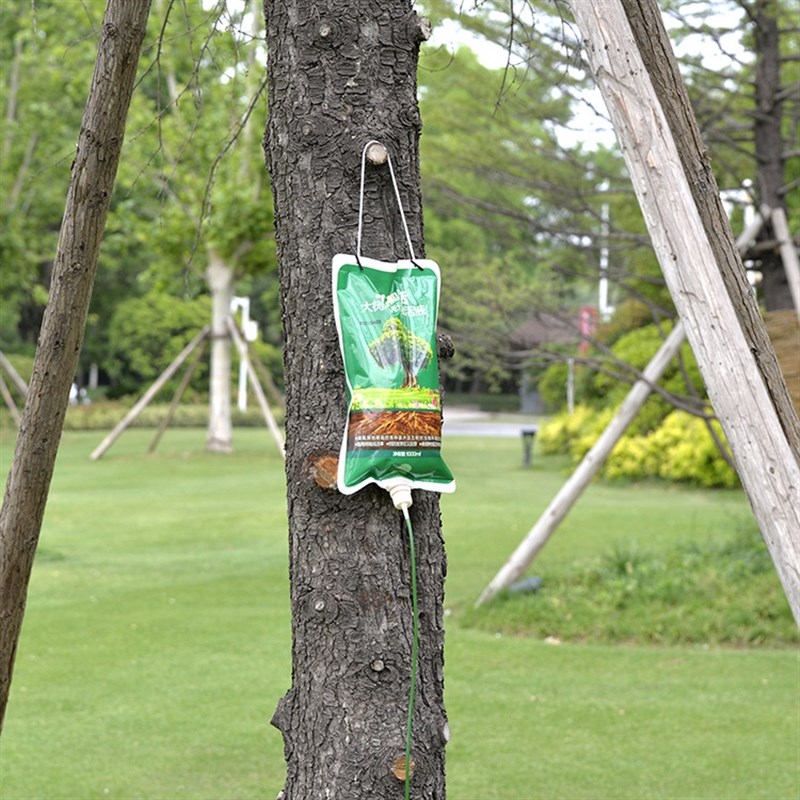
[
  {"x": 259, "y": 392},
  {"x": 141, "y": 404},
  {"x": 570, "y": 492},
  {"x": 178, "y": 396},
  {"x": 791, "y": 262},
  {"x": 9, "y": 400},
  {"x": 269, "y": 384},
  {"x": 715, "y": 304},
  {"x": 749, "y": 234},
  {"x": 22, "y": 387}
]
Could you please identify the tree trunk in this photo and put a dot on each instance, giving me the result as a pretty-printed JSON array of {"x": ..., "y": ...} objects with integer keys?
[
  {"x": 88, "y": 199},
  {"x": 769, "y": 144},
  {"x": 340, "y": 75},
  {"x": 220, "y": 426}
]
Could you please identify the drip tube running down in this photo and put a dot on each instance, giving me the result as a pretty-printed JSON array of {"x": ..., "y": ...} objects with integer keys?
[{"x": 400, "y": 493}]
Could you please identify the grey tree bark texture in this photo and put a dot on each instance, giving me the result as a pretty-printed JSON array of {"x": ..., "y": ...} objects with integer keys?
[
  {"x": 341, "y": 74},
  {"x": 93, "y": 173}
]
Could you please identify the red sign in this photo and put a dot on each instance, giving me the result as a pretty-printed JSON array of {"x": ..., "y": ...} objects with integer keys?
[{"x": 587, "y": 323}]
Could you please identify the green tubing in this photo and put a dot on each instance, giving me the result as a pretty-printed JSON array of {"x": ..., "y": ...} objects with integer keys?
[{"x": 414, "y": 649}]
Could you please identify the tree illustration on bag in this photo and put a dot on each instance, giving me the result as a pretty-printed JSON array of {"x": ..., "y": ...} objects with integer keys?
[{"x": 398, "y": 345}]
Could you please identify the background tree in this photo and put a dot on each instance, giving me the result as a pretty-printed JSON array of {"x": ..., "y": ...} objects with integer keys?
[
  {"x": 197, "y": 143},
  {"x": 739, "y": 60},
  {"x": 511, "y": 170},
  {"x": 339, "y": 76},
  {"x": 186, "y": 196}
]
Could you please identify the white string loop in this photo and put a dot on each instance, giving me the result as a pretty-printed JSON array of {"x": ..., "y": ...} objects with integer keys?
[{"x": 396, "y": 194}]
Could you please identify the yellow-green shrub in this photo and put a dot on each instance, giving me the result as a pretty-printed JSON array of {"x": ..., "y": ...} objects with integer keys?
[
  {"x": 557, "y": 435},
  {"x": 633, "y": 458},
  {"x": 690, "y": 453},
  {"x": 681, "y": 449}
]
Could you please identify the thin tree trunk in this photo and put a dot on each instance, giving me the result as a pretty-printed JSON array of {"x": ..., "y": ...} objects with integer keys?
[
  {"x": 341, "y": 75},
  {"x": 88, "y": 199},
  {"x": 220, "y": 425}
]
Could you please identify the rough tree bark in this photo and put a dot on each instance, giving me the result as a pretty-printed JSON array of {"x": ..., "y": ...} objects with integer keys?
[
  {"x": 341, "y": 74},
  {"x": 88, "y": 199}
]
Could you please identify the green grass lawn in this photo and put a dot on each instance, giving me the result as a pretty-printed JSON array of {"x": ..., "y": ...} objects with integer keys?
[{"x": 156, "y": 641}]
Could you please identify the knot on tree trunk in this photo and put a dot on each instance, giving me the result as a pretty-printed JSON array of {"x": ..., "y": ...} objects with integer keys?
[{"x": 444, "y": 346}]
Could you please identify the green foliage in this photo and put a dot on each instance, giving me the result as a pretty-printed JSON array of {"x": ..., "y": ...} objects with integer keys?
[
  {"x": 191, "y": 178},
  {"x": 47, "y": 52},
  {"x": 105, "y": 415},
  {"x": 500, "y": 203},
  {"x": 628, "y": 316},
  {"x": 699, "y": 592},
  {"x": 563, "y": 432},
  {"x": 512, "y": 206},
  {"x": 552, "y": 383},
  {"x": 687, "y": 452},
  {"x": 483, "y": 302},
  {"x": 146, "y": 334},
  {"x": 632, "y": 352},
  {"x": 659, "y": 442}
]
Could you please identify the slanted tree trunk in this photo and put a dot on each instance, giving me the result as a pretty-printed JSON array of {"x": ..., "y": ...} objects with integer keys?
[
  {"x": 341, "y": 74},
  {"x": 220, "y": 426},
  {"x": 88, "y": 199}
]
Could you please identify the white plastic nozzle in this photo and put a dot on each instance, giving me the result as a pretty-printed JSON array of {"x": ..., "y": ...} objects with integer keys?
[{"x": 400, "y": 492}]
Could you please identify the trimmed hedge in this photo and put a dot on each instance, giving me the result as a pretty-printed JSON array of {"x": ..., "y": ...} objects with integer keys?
[
  {"x": 681, "y": 449},
  {"x": 105, "y": 415}
]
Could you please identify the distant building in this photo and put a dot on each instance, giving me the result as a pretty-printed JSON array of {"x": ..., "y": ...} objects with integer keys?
[
  {"x": 545, "y": 329},
  {"x": 541, "y": 331}
]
